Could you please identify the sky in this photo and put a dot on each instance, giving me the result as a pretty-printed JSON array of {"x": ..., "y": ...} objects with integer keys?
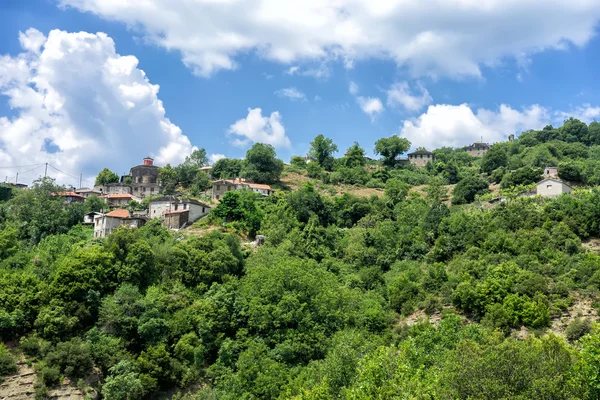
[{"x": 88, "y": 84}]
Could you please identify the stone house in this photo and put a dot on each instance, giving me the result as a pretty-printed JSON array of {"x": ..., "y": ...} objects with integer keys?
[
  {"x": 86, "y": 192},
  {"x": 71, "y": 197},
  {"x": 141, "y": 181},
  {"x": 165, "y": 207},
  {"x": 120, "y": 200},
  {"x": 104, "y": 224},
  {"x": 420, "y": 158},
  {"x": 551, "y": 171},
  {"x": 550, "y": 187},
  {"x": 220, "y": 187},
  {"x": 478, "y": 149}
]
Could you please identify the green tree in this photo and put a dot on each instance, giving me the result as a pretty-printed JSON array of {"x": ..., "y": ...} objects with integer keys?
[
  {"x": 198, "y": 158},
  {"x": 261, "y": 164},
  {"x": 593, "y": 136},
  {"x": 355, "y": 156},
  {"x": 573, "y": 130},
  {"x": 95, "y": 204},
  {"x": 571, "y": 171},
  {"x": 495, "y": 158},
  {"x": 471, "y": 186},
  {"x": 167, "y": 177},
  {"x": 227, "y": 168},
  {"x": 322, "y": 150},
  {"x": 390, "y": 148},
  {"x": 298, "y": 161},
  {"x": 123, "y": 383},
  {"x": 105, "y": 177}
]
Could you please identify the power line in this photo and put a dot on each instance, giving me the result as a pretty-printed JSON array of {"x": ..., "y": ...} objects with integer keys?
[
  {"x": 63, "y": 172},
  {"x": 22, "y": 166}
]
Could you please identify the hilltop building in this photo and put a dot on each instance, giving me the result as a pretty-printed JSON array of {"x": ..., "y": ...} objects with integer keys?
[
  {"x": 478, "y": 149},
  {"x": 551, "y": 171},
  {"x": 141, "y": 181},
  {"x": 220, "y": 187},
  {"x": 420, "y": 158}
]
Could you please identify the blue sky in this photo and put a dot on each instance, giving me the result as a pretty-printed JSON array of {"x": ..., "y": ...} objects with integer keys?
[{"x": 458, "y": 72}]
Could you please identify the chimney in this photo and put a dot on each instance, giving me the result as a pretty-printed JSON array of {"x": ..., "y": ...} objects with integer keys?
[{"x": 148, "y": 161}]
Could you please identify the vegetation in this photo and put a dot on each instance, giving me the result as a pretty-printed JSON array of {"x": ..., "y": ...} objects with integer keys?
[
  {"x": 328, "y": 306},
  {"x": 105, "y": 177}
]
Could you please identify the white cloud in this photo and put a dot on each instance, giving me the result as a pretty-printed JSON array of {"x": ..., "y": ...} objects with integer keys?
[
  {"x": 400, "y": 95},
  {"x": 353, "y": 88},
  {"x": 457, "y": 126},
  {"x": 291, "y": 93},
  {"x": 81, "y": 107},
  {"x": 437, "y": 37},
  {"x": 371, "y": 106},
  {"x": 585, "y": 112},
  {"x": 213, "y": 158},
  {"x": 258, "y": 129}
]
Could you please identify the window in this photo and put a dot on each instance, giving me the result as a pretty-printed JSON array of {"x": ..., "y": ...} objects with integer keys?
[
  {"x": 217, "y": 197},
  {"x": 184, "y": 206},
  {"x": 218, "y": 188},
  {"x": 203, "y": 209},
  {"x": 548, "y": 186},
  {"x": 152, "y": 189},
  {"x": 144, "y": 190}
]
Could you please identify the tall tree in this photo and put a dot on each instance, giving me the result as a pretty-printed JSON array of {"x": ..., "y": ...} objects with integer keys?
[
  {"x": 198, "y": 158},
  {"x": 262, "y": 165},
  {"x": 355, "y": 156},
  {"x": 322, "y": 150},
  {"x": 495, "y": 158},
  {"x": 227, "y": 168},
  {"x": 390, "y": 148},
  {"x": 167, "y": 177},
  {"x": 105, "y": 177}
]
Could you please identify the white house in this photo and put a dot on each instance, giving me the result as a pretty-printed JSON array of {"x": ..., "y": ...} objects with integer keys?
[
  {"x": 120, "y": 199},
  {"x": 220, "y": 187},
  {"x": 169, "y": 204},
  {"x": 104, "y": 224},
  {"x": 550, "y": 187},
  {"x": 88, "y": 219}
]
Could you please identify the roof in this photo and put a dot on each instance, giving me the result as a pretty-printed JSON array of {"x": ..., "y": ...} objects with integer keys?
[
  {"x": 120, "y": 196},
  {"x": 420, "y": 152},
  {"x": 259, "y": 186},
  {"x": 206, "y": 168},
  {"x": 175, "y": 199},
  {"x": 69, "y": 194},
  {"x": 177, "y": 212},
  {"x": 554, "y": 180},
  {"x": 119, "y": 213},
  {"x": 479, "y": 144}
]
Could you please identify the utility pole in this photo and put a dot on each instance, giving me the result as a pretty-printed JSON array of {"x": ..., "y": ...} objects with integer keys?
[
  {"x": 17, "y": 179},
  {"x": 46, "y": 170},
  {"x": 80, "y": 179}
]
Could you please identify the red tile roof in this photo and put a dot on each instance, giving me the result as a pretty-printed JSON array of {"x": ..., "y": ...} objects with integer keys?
[
  {"x": 259, "y": 186},
  {"x": 118, "y": 213},
  {"x": 69, "y": 194}
]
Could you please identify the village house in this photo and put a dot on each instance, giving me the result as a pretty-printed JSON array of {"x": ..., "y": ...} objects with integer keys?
[
  {"x": 220, "y": 187},
  {"x": 177, "y": 211},
  {"x": 86, "y": 192},
  {"x": 550, "y": 187},
  {"x": 141, "y": 181},
  {"x": 89, "y": 218},
  {"x": 104, "y": 224},
  {"x": 551, "y": 171},
  {"x": 71, "y": 197},
  {"x": 120, "y": 200},
  {"x": 420, "y": 158},
  {"x": 478, "y": 149}
]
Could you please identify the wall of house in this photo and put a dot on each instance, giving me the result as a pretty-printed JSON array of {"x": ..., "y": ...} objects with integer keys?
[
  {"x": 552, "y": 189},
  {"x": 219, "y": 189},
  {"x": 477, "y": 151},
  {"x": 175, "y": 221},
  {"x": 145, "y": 189},
  {"x": 116, "y": 188},
  {"x": 103, "y": 226},
  {"x": 420, "y": 160},
  {"x": 197, "y": 211}
]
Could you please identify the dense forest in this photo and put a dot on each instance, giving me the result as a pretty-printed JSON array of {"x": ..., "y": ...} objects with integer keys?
[{"x": 325, "y": 308}]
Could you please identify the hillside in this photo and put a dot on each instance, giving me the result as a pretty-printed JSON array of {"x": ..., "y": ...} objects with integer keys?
[{"x": 377, "y": 279}]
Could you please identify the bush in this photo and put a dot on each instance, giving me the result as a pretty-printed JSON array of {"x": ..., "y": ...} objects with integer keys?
[
  {"x": 467, "y": 189},
  {"x": 578, "y": 328},
  {"x": 314, "y": 170},
  {"x": 7, "y": 363}
]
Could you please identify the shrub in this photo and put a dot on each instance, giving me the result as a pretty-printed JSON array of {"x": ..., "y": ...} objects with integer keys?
[
  {"x": 7, "y": 363},
  {"x": 578, "y": 328}
]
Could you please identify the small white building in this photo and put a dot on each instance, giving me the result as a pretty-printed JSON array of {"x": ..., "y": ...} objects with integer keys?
[
  {"x": 104, "y": 224},
  {"x": 89, "y": 218},
  {"x": 85, "y": 192},
  {"x": 120, "y": 200},
  {"x": 169, "y": 204},
  {"x": 550, "y": 187},
  {"x": 220, "y": 187}
]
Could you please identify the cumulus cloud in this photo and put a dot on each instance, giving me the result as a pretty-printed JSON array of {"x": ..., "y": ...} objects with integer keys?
[
  {"x": 435, "y": 38},
  {"x": 213, "y": 158},
  {"x": 400, "y": 95},
  {"x": 457, "y": 125},
  {"x": 258, "y": 129},
  {"x": 81, "y": 107},
  {"x": 291, "y": 93},
  {"x": 371, "y": 106}
]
